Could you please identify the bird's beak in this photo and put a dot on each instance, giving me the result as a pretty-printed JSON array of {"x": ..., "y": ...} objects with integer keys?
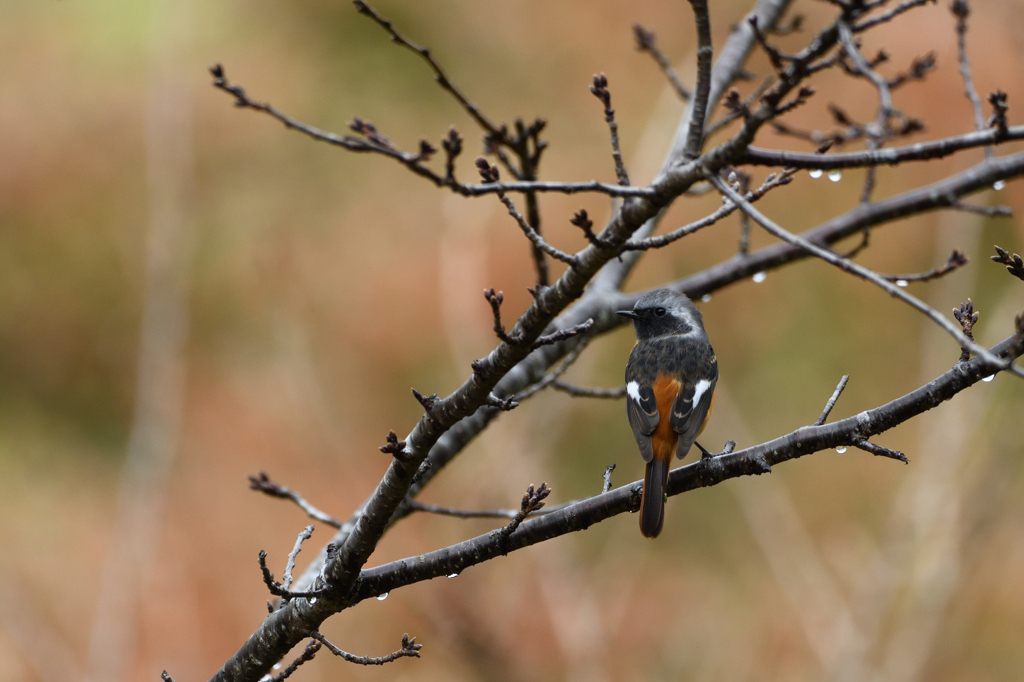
[{"x": 627, "y": 313}]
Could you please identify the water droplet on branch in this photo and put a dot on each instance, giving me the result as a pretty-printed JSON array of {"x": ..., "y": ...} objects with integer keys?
[
  {"x": 382, "y": 597},
  {"x": 705, "y": 298},
  {"x": 841, "y": 449},
  {"x": 998, "y": 185},
  {"x": 835, "y": 175},
  {"x": 760, "y": 277},
  {"x": 901, "y": 282},
  {"x": 990, "y": 377},
  {"x": 815, "y": 173}
]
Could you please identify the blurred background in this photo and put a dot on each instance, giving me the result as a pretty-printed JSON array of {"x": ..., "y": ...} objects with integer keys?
[{"x": 190, "y": 293}]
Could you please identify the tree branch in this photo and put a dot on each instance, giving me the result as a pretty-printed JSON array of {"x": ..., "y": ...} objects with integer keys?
[
  {"x": 755, "y": 460},
  {"x": 263, "y": 483},
  {"x": 702, "y": 93},
  {"x": 645, "y": 42},
  {"x": 922, "y": 151},
  {"x": 862, "y": 272},
  {"x": 832, "y": 401},
  {"x": 409, "y": 648}
]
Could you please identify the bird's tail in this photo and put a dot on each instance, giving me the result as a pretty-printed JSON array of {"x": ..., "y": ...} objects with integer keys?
[{"x": 652, "y": 504}]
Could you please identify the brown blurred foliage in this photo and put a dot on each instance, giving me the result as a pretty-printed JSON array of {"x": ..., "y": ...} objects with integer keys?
[{"x": 302, "y": 347}]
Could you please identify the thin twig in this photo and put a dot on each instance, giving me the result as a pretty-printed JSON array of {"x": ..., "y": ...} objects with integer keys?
[
  {"x": 414, "y": 161},
  {"x": 607, "y": 476},
  {"x": 562, "y": 334},
  {"x": 879, "y": 451},
  {"x": 277, "y": 589},
  {"x": 645, "y": 42},
  {"x": 496, "y": 299},
  {"x": 263, "y": 483},
  {"x": 771, "y": 182},
  {"x": 736, "y": 112},
  {"x": 439, "y": 73},
  {"x": 961, "y": 9},
  {"x": 600, "y": 90},
  {"x": 409, "y": 648},
  {"x": 533, "y": 235},
  {"x": 999, "y": 211},
  {"x": 307, "y": 655},
  {"x": 832, "y": 401},
  {"x": 553, "y": 375},
  {"x": 956, "y": 260},
  {"x": 463, "y": 513},
  {"x": 888, "y": 16},
  {"x": 922, "y": 151},
  {"x": 579, "y": 392},
  {"x": 695, "y": 134},
  {"x": 305, "y": 534}
]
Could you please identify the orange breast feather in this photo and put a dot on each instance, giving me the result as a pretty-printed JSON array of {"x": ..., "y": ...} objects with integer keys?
[{"x": 664, "y": 439}]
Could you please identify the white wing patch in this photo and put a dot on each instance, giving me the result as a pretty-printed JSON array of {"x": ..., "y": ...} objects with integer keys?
[
  {"x": 633, "y": 390},
  {"x": 698, "y": 390}
]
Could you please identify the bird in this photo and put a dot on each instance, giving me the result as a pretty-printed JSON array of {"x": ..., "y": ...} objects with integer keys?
[{"x": 670, "y": 390}]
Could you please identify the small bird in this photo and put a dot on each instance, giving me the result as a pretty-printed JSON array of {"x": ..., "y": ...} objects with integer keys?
[{"x": 670, "y": 390}]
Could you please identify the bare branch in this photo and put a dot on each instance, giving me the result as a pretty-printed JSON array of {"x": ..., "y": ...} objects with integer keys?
[
  {"x": 263, "y": 483},
  {"x": 463, "y": 513},
  {"x": 772, "y": 181},
  {"x": 832, "y": 401},
  {"x": 562, "y": 334},
  {"x": 277, "y": 589},
  {"x": 439, "y": 74},
  {"x": 956, "y": 260},
  {"x": 496, "y": 299},
  {"x": 961, "y": 9},
  {"x": 879, "y": 451},
  {"x": 750, "y": 461},
  {"x": 607, "y": 476},
  {"x": 581, "y": 220},
  {"x": 600, "y": 90},
  {"x": 414, "y": 161},
  {"x": 695, "y": 135},
  {"x": 921, "y": 151},
  {"x": 645, "y": 42},
  {"x": 860, "y": 271},
  {"x": 576, "y": 391},
  {"x": 489, "y": 174},
  {"x": 989, "y": 211},
  {"x": 777, "y": 59},
  {"x": 409, "y": 648},
  {"x": 890, "y": 15},
  {"x": 738, "y": 109},
  {"x": 305, "y": 534},
  {"x": 307, "y": 655}
]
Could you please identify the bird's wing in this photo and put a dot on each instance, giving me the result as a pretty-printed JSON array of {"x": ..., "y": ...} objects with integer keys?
[
  {"x": 642, "y": 410},
  {"x": 690, "y": 409}
]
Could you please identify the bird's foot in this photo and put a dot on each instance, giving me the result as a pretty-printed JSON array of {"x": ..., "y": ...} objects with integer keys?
[{"x": 726, "y": 449}]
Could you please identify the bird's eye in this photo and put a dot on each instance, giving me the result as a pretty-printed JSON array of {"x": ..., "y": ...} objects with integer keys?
[{"x": 660, "y": 312}]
